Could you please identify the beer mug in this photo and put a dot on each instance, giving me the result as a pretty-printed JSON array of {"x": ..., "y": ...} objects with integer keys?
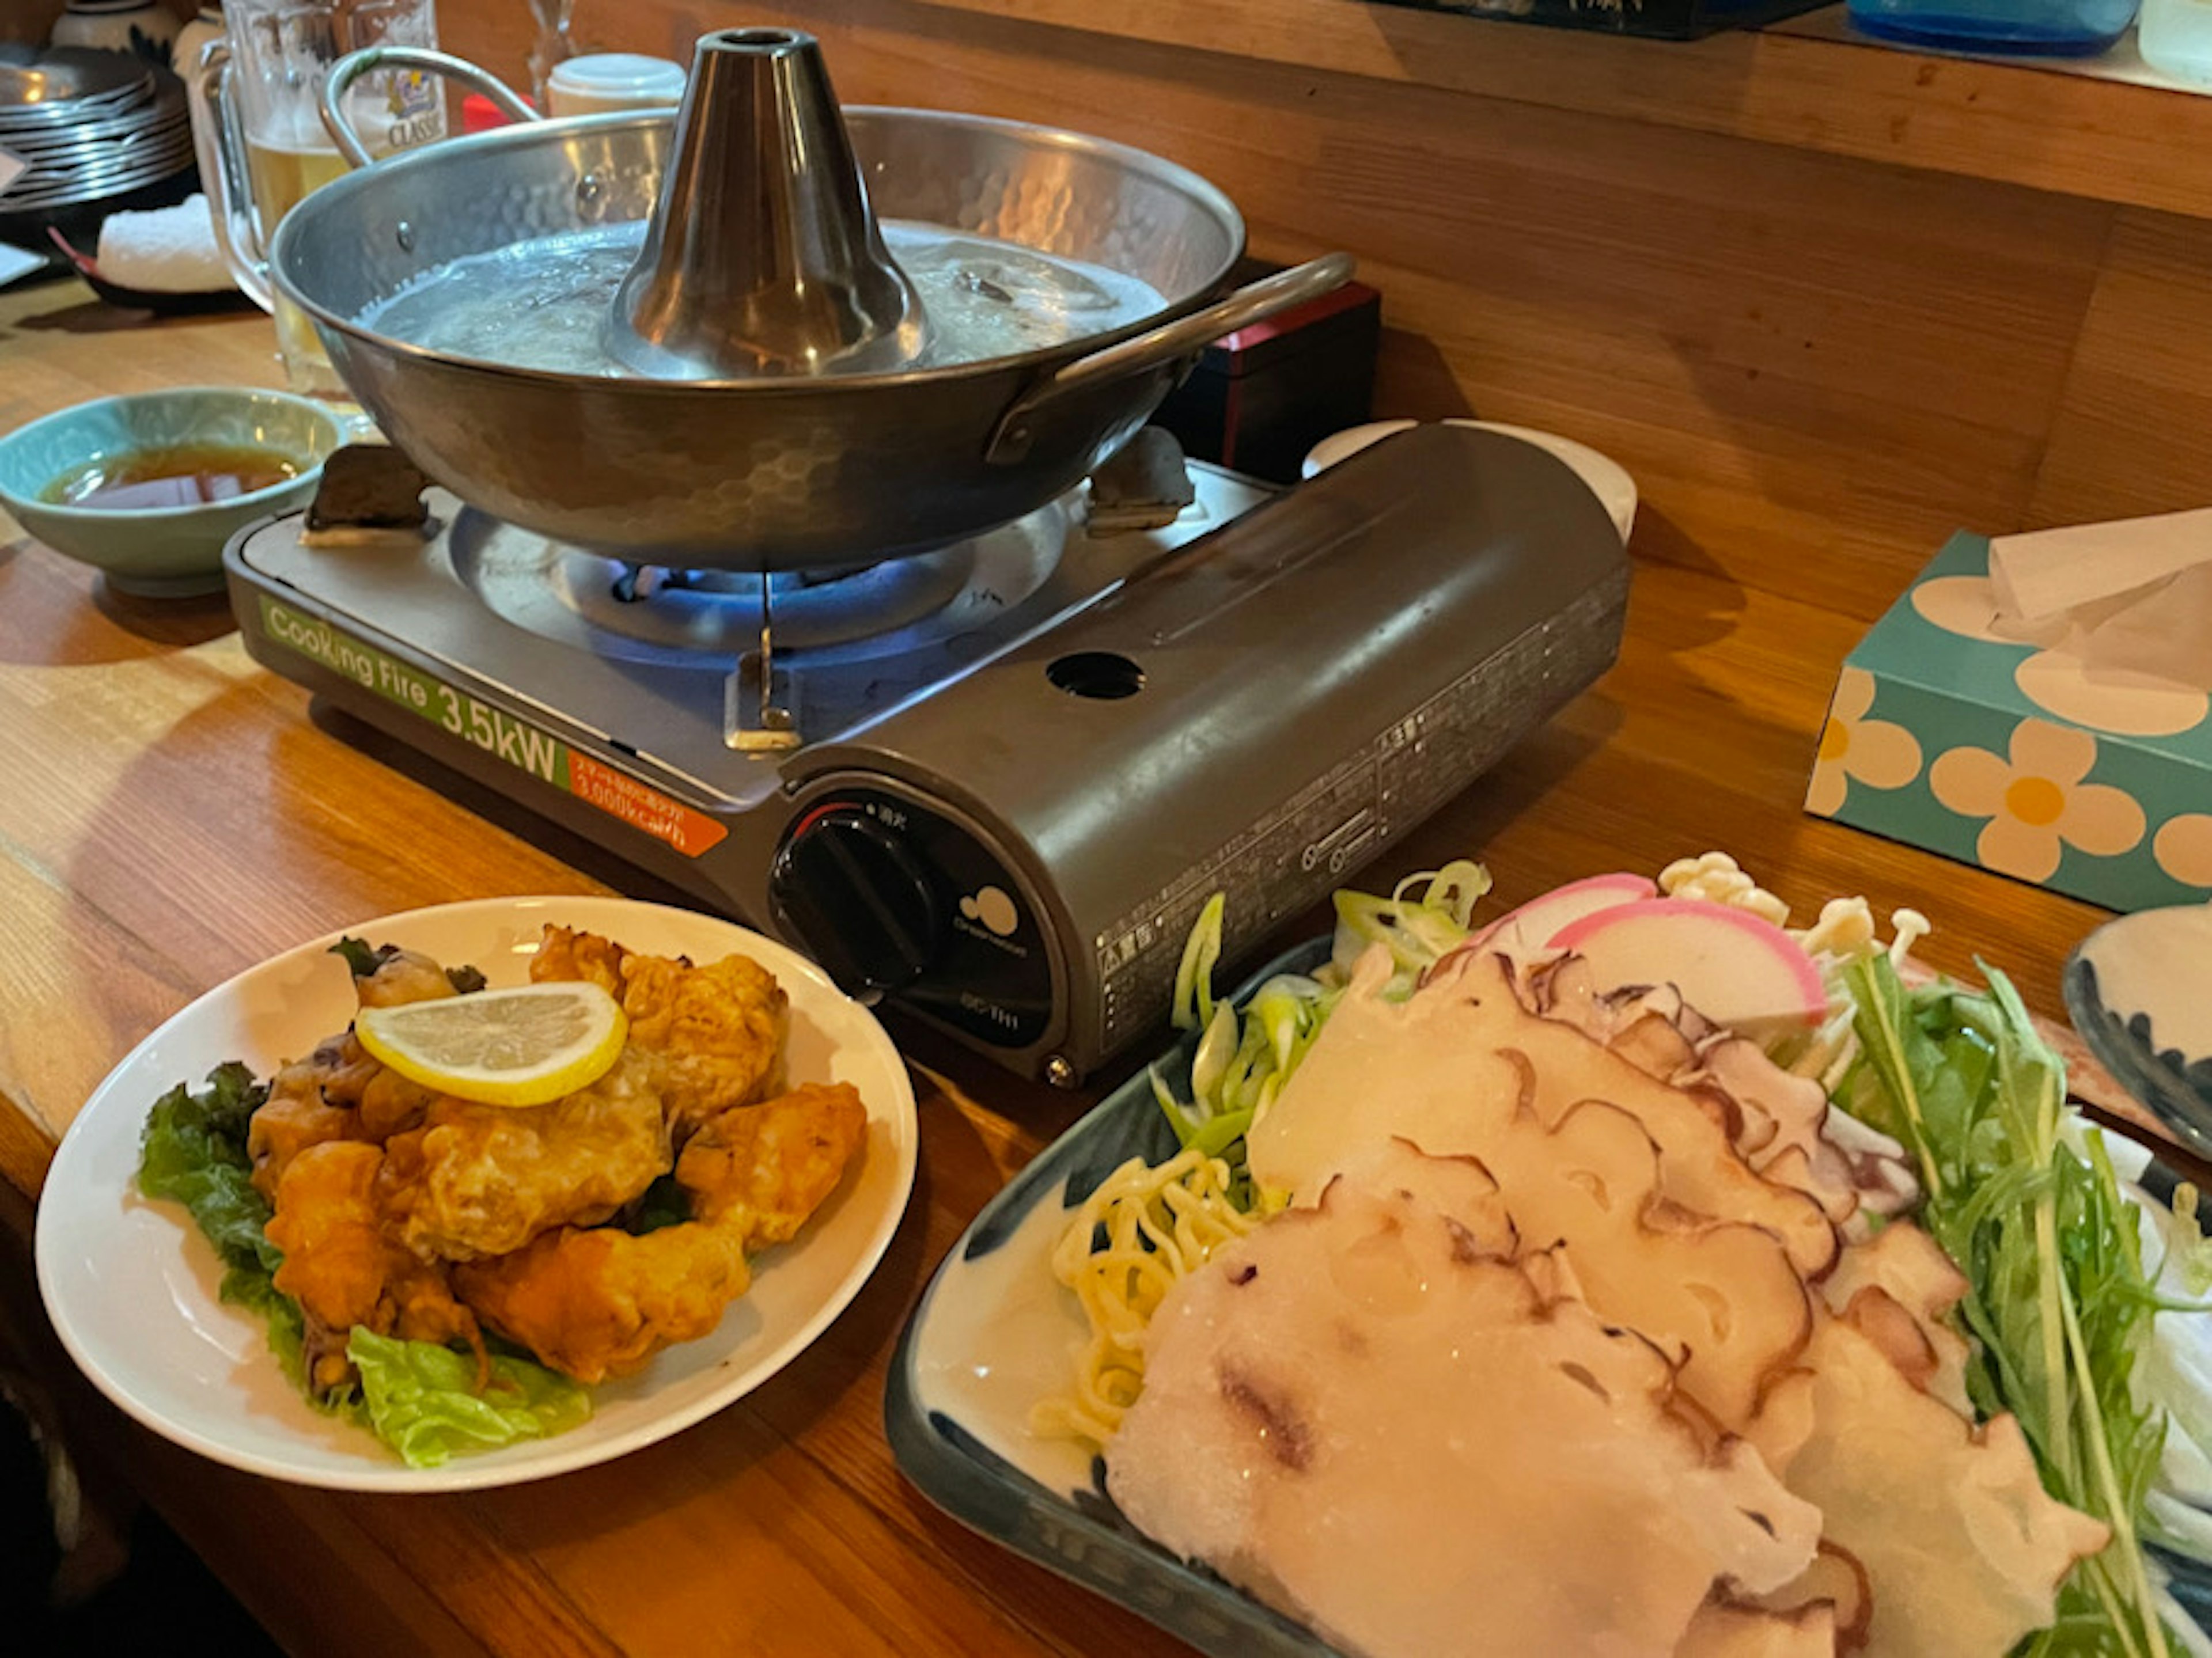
[{"x": 264, "y": 147}]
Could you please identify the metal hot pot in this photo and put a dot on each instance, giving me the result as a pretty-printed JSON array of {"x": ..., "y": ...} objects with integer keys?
[{"x": 763, "y": 470}]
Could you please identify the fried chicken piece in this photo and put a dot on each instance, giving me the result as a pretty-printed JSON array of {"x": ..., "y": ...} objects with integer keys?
[
  {"x": 314, "y": 1100},
  {"x": 717, "y": 1029},
  {"x": 340, "y": 1070},
  {"x": 391, "y": 1104},
  {"x": 766, "y": 1167},
  {"x": 484, "y": 1180},
  {"x": 310, "y": 1101},
  {"x": 600, "y": 1302},
  {"x": 566, "y": 955},
  {"x": 401, "y": 976},
  {"x": 344, "y": 1269},
  {"x": 286, "y": 1125},
  {"x": 336, "y": 1256}
]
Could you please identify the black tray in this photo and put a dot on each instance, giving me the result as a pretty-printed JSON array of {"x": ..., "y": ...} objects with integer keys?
[{"x": 1662, "y": 20}]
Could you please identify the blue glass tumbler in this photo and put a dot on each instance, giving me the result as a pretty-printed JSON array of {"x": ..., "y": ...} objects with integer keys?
[{"x": 2051, "y": 28}]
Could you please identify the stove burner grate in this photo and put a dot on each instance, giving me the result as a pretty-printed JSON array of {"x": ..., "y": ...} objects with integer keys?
[
  {"x": 651, "y": 614},
  {"x": 810, "y": 607}
]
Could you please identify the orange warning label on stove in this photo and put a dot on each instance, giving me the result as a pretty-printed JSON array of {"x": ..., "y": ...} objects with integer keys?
[{"x": 642, "y": 806}]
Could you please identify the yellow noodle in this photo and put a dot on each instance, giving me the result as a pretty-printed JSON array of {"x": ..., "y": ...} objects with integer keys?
[{"x": 1159, "y": 1222}]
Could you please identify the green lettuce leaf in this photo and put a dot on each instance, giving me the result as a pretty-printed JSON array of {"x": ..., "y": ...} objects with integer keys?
[
  {"x": 416, "y": 1396},
  {"x": 421, "y": 1399},
  {"x": 193, "y": 1152}
]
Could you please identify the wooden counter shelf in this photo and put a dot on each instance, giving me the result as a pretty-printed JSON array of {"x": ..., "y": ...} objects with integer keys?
[{"x": 1806, "y": 82}]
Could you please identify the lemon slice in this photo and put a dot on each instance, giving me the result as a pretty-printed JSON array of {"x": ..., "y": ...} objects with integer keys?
[{"x": 521, "y": 1046}]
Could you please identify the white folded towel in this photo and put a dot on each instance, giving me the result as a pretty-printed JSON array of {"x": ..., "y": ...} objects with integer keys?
[{"x": 170, "y": 250}]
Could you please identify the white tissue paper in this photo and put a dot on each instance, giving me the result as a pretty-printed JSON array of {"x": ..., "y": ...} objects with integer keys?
[
  {"x": 170, "y": 250},
  {"x": 2131, "y": 600},
  {"x": 14, "y": 261},
  {"x": 17, "y": 262}
]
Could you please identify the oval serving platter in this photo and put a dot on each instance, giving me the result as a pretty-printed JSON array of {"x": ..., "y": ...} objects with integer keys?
[{"x": 993, "y": 1334}]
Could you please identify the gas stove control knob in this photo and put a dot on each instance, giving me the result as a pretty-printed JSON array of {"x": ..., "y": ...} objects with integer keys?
[{"x": 858, "y": 897}]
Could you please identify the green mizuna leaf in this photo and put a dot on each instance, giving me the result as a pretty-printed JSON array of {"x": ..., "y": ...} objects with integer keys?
[{"x": 2059, "y": 1306}]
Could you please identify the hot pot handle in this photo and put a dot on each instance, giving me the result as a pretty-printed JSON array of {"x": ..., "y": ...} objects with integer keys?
[
  {"x": 1184, "y": 337},
  {"x": 354, "y": 64}
]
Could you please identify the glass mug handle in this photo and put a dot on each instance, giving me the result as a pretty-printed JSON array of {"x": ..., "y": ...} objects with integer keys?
[
  {"x": 220, "y": 144},
  {"x": 331, "y": 98}
]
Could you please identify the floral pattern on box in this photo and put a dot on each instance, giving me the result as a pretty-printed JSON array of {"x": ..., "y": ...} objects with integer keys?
[{"x": 1947, "y": 735}]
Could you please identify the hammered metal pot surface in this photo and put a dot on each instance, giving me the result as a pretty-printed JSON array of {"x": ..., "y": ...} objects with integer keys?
[{"x": 760, "y": 474}]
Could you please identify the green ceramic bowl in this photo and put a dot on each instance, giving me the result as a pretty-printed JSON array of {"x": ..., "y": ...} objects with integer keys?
[{"x": 165, "y": 551}]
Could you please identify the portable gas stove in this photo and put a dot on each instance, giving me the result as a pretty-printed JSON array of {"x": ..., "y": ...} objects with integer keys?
[{"x": 995, "y": 783}]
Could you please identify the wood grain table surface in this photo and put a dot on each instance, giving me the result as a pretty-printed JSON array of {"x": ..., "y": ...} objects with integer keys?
[{"x": 171, "y": 814}]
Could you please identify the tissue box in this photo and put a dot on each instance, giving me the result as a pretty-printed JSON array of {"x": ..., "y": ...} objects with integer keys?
[{"x": 1943, "y": 735}]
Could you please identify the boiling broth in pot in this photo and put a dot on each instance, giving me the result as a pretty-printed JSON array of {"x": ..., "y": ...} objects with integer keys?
[{"x": 544, "y": 304}]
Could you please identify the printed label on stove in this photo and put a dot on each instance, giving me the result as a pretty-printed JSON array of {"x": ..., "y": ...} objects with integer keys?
[
  {"x": 642, "y": 805},
  {"x": 496, "y": 733},
  {"x": 1319, "y": 836}
]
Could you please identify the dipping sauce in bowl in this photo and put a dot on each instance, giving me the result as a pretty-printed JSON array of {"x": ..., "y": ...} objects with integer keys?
[
  {"x": 189, "y": 475},
  {"x": 147, "y": 488}
]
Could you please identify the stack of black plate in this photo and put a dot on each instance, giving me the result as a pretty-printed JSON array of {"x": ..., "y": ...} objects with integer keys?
[{"x": 98, "y": 131}]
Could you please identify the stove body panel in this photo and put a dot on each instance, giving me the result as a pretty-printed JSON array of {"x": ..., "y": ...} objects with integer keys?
[
  {"x": 1264, "y": 712},
  {"x": 1008, "y": 827}
]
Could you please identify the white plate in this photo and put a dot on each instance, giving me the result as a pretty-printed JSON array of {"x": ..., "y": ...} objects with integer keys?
[
  {"x": 131, "y": 1284},
  {"x": 1607, "y": 478}
]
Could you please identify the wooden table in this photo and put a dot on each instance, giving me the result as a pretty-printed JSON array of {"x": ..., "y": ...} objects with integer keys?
[{"x": 173, "y": 814}]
